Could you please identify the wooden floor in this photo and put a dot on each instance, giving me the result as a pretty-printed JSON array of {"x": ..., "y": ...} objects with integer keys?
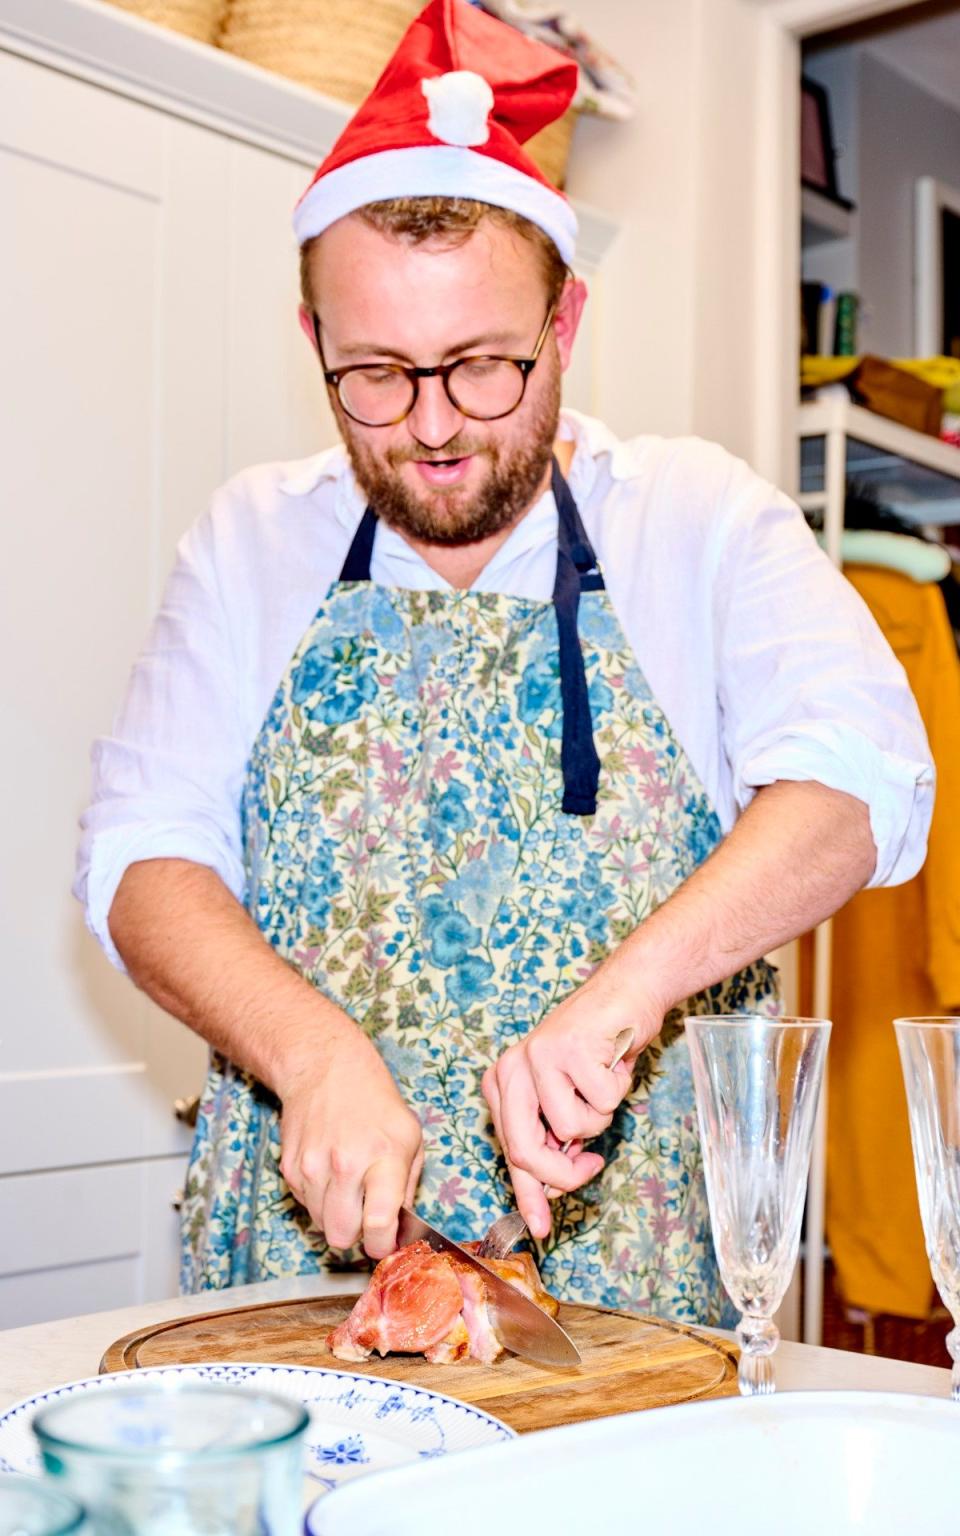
[{"x": 898, "y": 1338}]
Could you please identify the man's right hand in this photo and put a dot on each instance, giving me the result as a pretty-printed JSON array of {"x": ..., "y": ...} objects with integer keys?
[{"x": 351, "y": 1149}]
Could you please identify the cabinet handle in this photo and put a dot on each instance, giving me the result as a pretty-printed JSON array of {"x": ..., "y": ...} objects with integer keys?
[
  {"x": 186, "y": 1110},
  {"x": 177, "y": 1200}
]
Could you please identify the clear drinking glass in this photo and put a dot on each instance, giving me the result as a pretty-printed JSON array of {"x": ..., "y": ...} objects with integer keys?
[
  {"x": 179, "y": 1459},
  {"x": 930, "y": 1059},
  {"x": 30, "y": 1507},
  {"x": 757, "y": 1083}
]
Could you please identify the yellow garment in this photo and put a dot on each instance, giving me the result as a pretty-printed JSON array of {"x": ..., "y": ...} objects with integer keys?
[{"x": 896, "y": 953}]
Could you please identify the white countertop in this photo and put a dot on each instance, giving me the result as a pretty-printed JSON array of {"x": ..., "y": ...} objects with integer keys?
[{"x": 32, "y": 1359}]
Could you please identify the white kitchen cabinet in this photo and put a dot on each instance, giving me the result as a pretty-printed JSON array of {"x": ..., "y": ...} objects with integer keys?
[
  {"x": 148, "y": 295},
  {"x": 88, "y": 1238},
  {"x": 150, "y": 348}
]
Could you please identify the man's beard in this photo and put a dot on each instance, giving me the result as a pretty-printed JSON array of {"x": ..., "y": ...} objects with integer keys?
[{"x": 453, "y": 517}]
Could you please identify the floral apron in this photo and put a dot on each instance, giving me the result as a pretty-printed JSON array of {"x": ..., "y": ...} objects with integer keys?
[{"x": 457, "y": 805}]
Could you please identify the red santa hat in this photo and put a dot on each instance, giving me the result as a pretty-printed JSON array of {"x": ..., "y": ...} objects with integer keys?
[{"x": 448, "y": 116}]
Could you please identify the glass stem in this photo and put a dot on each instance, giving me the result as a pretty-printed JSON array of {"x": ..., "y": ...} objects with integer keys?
[
  {"x": 758, "y": 1337},
  {"x": 953, "y": 1345}
]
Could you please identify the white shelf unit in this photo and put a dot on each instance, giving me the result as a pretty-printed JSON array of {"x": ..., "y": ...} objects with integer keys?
[
  {"x": 916, "y": 475},
  {"x": 919, "y": 478},
  {"x": 823, "y": 219}
]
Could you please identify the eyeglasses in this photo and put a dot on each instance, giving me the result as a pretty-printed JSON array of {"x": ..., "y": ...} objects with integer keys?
[{"x": 482, "y": 387}]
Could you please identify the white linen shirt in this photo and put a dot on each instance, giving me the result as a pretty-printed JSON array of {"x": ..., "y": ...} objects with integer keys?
[{"x": 765, "y": 661}]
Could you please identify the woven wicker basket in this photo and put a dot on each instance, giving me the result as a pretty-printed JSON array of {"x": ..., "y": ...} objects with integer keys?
[
  {"x": 340, "y": 47},
  {"x": 550, "y": 148},
  {"x": 197, "y": 18}
]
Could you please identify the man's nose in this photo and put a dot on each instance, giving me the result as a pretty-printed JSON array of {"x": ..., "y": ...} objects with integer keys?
[{"x": 434, "y": 419}]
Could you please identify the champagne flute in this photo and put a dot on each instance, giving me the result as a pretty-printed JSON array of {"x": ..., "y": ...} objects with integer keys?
[
  {"x": 757, "y": 1082},
  {"x": 930, "y": 1058}
]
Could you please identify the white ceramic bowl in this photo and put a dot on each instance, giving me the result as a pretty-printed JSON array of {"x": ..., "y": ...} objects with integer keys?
[{"x": 795, "y": 1464}]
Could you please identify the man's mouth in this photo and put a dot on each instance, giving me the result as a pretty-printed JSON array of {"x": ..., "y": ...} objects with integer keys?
[{"x": 440, "y": 472}]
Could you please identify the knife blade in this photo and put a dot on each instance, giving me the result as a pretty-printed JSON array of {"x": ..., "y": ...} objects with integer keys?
[{"x": 522, "y": 1327}]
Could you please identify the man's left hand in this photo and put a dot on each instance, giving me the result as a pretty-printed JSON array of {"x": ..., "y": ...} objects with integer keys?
[{"x": 556, "y": 1085}]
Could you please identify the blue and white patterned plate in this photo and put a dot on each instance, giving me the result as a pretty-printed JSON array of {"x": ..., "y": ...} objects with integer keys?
[{"x": 358, "y": 1424}]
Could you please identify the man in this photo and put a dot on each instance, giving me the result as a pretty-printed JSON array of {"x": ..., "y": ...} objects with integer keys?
[{"x": 462, "y": 713}]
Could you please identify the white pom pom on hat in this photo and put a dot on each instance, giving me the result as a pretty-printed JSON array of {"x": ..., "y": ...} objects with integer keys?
[{"x": 460, "y": 104}]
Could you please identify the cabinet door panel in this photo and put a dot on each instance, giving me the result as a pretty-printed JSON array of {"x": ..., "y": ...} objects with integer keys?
[
  {"x": 69, "y": 1292},
  {"x": 111, "y": 439},
  {"x": 78, "y": 426},
  {"x": 58, "y": 1119},
  {"x": 190, "y": 321},
  {"x": 56, "y": 120},
  {"x": 81, "y": 1239},
  {"x": 71, "y": 1216},
  {"x": 277, "y": 406}
]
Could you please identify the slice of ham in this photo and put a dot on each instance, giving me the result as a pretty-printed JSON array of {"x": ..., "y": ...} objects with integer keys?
[
  {"x": 411, "y": 1305},
  {"x": 483, "y": 1342},
  {"x": 455, "y": 1346},
  {"x": 422, "y": 1302}
]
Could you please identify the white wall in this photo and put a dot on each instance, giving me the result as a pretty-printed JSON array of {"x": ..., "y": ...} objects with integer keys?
[
  {"x": 676, "y": 343},
  {"x": 904, "y": 133},
  {"x": 643, "y": 172},
  {"x": 892, "y": 132}
]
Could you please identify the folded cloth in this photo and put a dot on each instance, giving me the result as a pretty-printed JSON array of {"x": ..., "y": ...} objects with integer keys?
[{"x": 919, "y": 559}]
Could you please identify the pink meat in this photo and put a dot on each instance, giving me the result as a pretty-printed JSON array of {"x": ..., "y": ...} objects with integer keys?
[
  {"x": 456, "y": 1346},
  {"x": 422, "y": 1302},
  {"x": 412, "y": 1304},
  {"x": 483, "y": 1342},
  {"x": 522, "y": 1272}
]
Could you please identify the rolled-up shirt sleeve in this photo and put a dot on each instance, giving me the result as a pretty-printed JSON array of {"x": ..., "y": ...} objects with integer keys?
[
  {"x": 167, "y": 780},
  {"x": 809, "y": 689}
]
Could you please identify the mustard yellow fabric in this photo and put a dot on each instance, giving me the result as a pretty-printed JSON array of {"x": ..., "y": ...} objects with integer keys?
[
  {"x": 896, "y": 952},
  {"x": 816, "y": 370}
]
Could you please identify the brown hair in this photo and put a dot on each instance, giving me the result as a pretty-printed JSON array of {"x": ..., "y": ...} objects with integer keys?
[{"x": 451, "y": 221}]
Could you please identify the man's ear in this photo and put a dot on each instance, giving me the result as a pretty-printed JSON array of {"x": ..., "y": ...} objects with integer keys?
[
  {"x": 566, "y": 321},
  {"x": 306, "y": 325}
]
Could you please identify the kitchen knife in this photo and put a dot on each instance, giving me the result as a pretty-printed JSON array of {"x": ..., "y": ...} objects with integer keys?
[{"x": 521, "y": 1326}]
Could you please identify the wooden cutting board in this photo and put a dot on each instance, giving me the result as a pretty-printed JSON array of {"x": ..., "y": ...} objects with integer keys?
[{"x": 629, "y": 1362}]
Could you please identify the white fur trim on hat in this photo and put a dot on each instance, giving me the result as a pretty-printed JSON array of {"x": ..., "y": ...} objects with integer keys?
[
  {"x": 439, "y": 170},
  {"x": 460, "y": 103}
]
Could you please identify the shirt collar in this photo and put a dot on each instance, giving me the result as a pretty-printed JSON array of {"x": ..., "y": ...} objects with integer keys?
[{"x": 596, "y": 447}]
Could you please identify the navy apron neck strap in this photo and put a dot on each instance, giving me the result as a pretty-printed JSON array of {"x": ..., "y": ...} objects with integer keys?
[
  {"x": 577, "y": 571},
  {"x": 356, "y": 567}
]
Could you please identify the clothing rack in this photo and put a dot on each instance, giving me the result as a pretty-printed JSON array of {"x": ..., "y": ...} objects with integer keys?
[{"x": 924, "y": 474}]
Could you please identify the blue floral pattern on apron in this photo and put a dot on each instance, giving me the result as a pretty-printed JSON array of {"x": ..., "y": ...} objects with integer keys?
[{"x": 406, "y": 851}]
